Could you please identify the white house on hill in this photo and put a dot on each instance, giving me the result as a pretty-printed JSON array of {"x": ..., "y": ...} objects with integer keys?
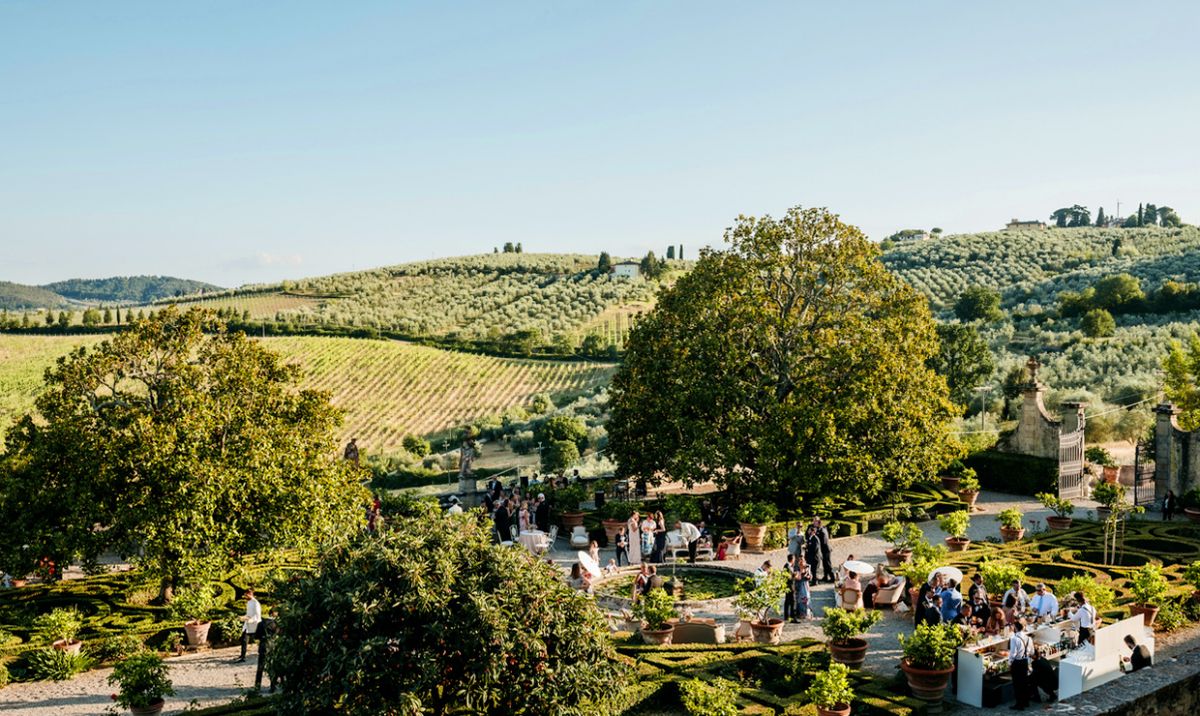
[{"x": 627, "y": 269}]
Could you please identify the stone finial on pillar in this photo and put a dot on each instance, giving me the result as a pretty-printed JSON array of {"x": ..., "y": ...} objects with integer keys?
[{"x": 1072, "y": 417}]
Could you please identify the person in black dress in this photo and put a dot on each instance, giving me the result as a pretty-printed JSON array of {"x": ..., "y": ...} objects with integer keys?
[
  {"x": 1168, "y": 510},
  {"x": 812, "y": 547}
]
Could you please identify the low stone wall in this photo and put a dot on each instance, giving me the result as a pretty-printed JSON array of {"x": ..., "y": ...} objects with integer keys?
[
  {"x": 724, "y": 604},
  {"x": 1170, "y": 688}
]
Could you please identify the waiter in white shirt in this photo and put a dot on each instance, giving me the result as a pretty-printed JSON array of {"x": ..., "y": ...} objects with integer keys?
[
  {"x": 690, "y": 534},
  {"x": 1085, "y": 617},
  {"x": 1020, "y": 649},
  {"x": 251, "y": 620},
  {"x": 1043, "y": 603}
]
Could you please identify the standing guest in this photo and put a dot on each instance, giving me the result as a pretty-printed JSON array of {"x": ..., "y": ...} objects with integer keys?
[
  {"x": 639, "y": 582},
  {"x": 977, "y": 588},
  {"x": 1044, "y": 603},
  {"x": 647, "y": 536},
  {"x": 789, "y": 599},
  {"x": 763, "y": 570},
  {"x": 690, "y": 535},
  {"x": 503, "y": 522},
  {"x": 952, "y": 601},
  {"x": 1139, "y": 656},
  {"x": 622, "y": 545},
  {"x": 964, "y": 616},
  {"x": 634, "y": 528},
  {"x": 660, "y": 537},
  {"x": 1085, "y": 617},
  {"x": 594, "y": 552},
  {"x": 351, "y": 451},
  {"x": 981, "y": 612},
  {"x": 523, "y": 516},
  {"x": 795, "y": 544},
  {"x": 801, "y": 578},
  {"x": 925, "y": 596},
  {"x": 1020, "y": 648},
  {"x": 1169, "y": 504},
  {"x": 1015, "y": 600},
  {"x": 542, "y": 513},
  {"x": 932, "y": 613},
  {"x": 823, "y": 540},
  {"x": 1043, "y": 676},
  {"x": 812, "y": 547},
  {"x": 266, "y": 634},
  {"x": 250, "y": 621}
]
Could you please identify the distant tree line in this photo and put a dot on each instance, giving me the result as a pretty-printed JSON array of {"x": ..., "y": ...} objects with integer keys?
[{"x": 1147, "y": 215}]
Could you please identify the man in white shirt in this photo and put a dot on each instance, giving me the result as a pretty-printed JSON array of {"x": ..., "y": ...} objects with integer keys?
[
  {"x": 1020, "y": 649},
  {"x": 691, "y": 535},
  {"x": 1044, "y": 603},
  {"x": 1015, "y": 598},
  {"x": 455, "y": 508},
  {"x": 1085, "y": 617},
  {"x": 251, "y": 620}
]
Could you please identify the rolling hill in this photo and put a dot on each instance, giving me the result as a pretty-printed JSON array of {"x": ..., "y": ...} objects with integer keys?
[
  {"x": 83, "y": 291},
  {"x": 19, "y": 297}
]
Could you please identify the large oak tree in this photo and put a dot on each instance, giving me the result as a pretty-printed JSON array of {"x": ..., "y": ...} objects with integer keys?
[
  {"x": 179, "y": 445},
  {"x": 791, "y": 362}
]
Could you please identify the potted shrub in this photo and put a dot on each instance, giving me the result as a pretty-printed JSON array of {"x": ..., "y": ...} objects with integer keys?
[
  {"x": 1149, "y": 587},
  {"x": 929, "y": 659},
  {"x": 956, "y": 524},
  {"x": 842, "y": 629},
  {"x": 953, "y": 473},
  {"x": 566, "y": 501},
  {"x": 1099, "y": 456},
  {"x": 1062, "y": 509},
  {"x": 968, "y": 488},
  {"x": 902, "y": 537},
  {"x": 830, "y": 691},
  {"x": 758, "y": 597},
  {"x": 1107, "y": 494},
  {"x": 144, "y": 682},
  {"x": 654, "y": 610},
  {"x": 193, "y": 605},
  {"x": 1191, "y": 505},
  {"x": 753, "y": 518},
  {"x": 1191, "y": 575},
  {"x": 1010, "y": 524},
  {"x": 60, "y": 626},
  {"x": 998, "y": 576}
]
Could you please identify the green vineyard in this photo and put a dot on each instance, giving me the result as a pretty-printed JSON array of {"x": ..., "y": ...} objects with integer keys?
[{"x": 388, "y": 389}]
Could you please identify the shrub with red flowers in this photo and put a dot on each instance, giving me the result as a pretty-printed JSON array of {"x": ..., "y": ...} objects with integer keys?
[{"x": 432, "y": 618}]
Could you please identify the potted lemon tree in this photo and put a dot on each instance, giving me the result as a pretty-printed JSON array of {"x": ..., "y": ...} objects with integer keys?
[
  {"x": 928, "y": 659},
  {"x": 902, "y": 537},
  {"x": 1062, "y": 509},
  {"x": 193, "y": 605},
  {"x": 968, "y": 488},
  {"x": 654, "y": 610},
  {"x": 760, "y": 595},
  {"x": 956, "y": 525},
  {"x": 830, "y": 691},
  {"x": 61, "y": 626},
  {"x": 1010, "y": 524},
  {"x": 1149, "y": 587},
  {"x": 144, "y": 683},
  {"x": 842, "y": 628},
  {"x": 1107, "y": 494},
  {"x": 753, "y": 518}
]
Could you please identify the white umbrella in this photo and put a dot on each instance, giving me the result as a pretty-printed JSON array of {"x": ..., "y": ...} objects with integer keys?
[
  {"x": 858, "y": 567},
  {"x": 590, "y": 564},
  {"x": 947, "y": 573}
]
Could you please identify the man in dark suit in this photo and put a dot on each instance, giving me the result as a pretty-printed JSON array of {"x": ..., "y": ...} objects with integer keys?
[
  {"x": 655, "y": 581},
  {"x": 1140, "y": 658},
  {"x": 826, "y": 551},
  {"x": 503, "y": 522},
  {"x": 541, "y": 514},
  {"x": 932, "y": 613}
]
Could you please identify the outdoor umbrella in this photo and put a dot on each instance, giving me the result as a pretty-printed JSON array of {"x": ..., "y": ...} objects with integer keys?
[
  {"x": 947, "y": 573},
  {"x": 858, "y": 567},
  {"x": 590, "y": 564}
]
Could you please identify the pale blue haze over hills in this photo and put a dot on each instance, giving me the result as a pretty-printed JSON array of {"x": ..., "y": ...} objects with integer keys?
[{"x": 236, "y": 142}]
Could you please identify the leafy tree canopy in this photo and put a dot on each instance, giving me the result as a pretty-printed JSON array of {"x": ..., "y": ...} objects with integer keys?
[
  {"x": 177, "y": 448},
  {"x": 979, "y": 303},
  {"x": 963, "y": 359},
  {"x": 1098, "y": 323},
  {"x": 791, "y": 362},
  {"x": 1181, "y": 381},
  {"x": 430, "y": 617}
]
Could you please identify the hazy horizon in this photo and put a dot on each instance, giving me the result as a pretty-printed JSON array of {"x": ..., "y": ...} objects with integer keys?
[{"x": 235, "y": 143}]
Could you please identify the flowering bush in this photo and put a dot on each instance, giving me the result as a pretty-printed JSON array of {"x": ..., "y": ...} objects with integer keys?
[{"x": 143, "y": 680}]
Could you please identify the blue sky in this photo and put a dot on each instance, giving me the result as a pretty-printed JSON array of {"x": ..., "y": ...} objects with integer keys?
[{"x": 236, "y": 142}]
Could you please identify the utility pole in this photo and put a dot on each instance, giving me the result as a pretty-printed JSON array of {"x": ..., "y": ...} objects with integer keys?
[{"x": 1119, "y": 212}]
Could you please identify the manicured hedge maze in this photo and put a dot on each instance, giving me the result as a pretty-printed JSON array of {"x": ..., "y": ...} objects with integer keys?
[
  {"x": 772, "y": 679},
  {"x": 1050, "y": 556}
]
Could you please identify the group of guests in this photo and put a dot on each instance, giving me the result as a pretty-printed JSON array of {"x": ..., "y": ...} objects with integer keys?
[
  {"x": 813, "y": 544},
  {"x": 515, "y": 510},
  {"x": 644, "y": 539}
]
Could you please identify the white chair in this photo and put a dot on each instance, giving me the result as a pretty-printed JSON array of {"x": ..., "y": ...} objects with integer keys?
[
  {"x": 513, "y": 530},
  {"x": 503, "y": 542},
  {"x": 579, "y": 537}
]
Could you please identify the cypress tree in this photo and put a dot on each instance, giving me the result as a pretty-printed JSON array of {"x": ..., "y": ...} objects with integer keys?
[
  {"x": 1139, "y": 216},
  {"x": 1100, "y": 220}
]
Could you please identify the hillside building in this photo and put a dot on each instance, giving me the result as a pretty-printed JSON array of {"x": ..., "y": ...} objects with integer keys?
[
  {"x": 627, "y": 269},
  {"x": 1018, "y": 225}
]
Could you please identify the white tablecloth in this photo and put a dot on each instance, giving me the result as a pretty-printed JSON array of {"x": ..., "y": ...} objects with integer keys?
[{"x": 533, "y": 540}]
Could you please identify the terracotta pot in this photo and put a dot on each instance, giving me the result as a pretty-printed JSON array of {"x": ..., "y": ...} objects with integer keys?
[
  {"x": 1055, "y": 522},
  {"x": 1011, "y": 535},
  {"x": 852, "y": 652},
  {"x": 753, "y": 536},
  {"x": 743, "y": 631},
  {"x": 20, "y": 582},
  {"x": 1111, "y": 472},
  {"x": 957, "y": 544},
  {"x": 71, "y": 646},
  {"x": 611, "y": 529},
  {"x": 897, "y": 557},
  {"x": 926, "y": 684},
  {"x": 968, "y": 497},
  {"x": 660, "y": 637},
  {"x": 768, "y": 632},
  {"x": 197, "y": 632},
  {"x": 571, "y": 520},
  {"x": 951, "y": 483},
  {"x": 1191, "y": 513},
  {"x": 1102, "y": 513},
  {"x": 1148, "y": 613},
  {"x": 914, "y": 593},
  {"x": 151, "y": 710},
  {"x": 839, "y": 710}
]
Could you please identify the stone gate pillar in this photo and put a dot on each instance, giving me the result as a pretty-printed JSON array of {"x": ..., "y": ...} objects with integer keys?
[{"x": 1168, "y": 451}]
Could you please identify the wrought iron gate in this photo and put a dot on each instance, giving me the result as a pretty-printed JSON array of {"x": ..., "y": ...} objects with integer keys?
[
  {"x": 1070, "y": 465},
  {"x": 1143, "y": 473}
]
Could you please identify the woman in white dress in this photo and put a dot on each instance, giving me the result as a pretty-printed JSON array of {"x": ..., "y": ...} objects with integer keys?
[
  {"x": 633, "y": 529},
  {"x": 647, "y": 534}
]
